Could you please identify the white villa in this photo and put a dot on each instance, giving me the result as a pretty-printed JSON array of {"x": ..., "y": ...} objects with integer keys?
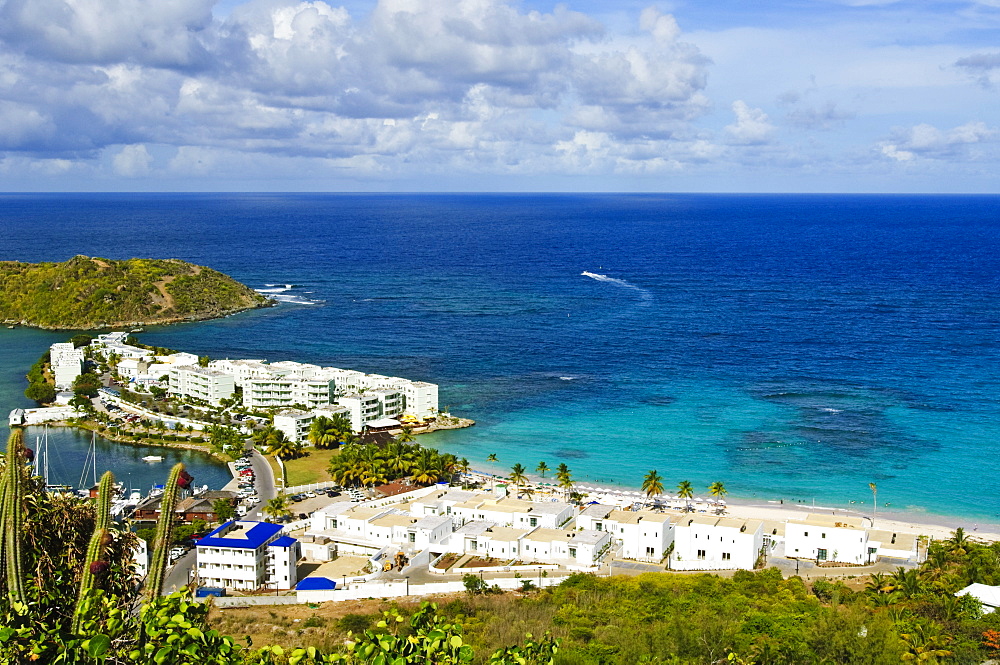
[
  {"x": 507, "y": 511},
  {"x": 703, "y": 542},
  {"x": 828, "y": 538}
]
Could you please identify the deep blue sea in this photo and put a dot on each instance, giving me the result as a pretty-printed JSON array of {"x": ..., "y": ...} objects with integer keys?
[{"x": 793, "y": 347}]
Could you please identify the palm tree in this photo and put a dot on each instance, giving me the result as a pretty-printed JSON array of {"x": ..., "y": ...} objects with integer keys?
[
  {"x": 321, "y": 433},
  {"x": 426, "y": 470},
  {"x": 652, "y": 484},
  {"x": 463, "y": 466},
  {"x": 517, "y": 475},
  {"x": 277, "y": 507},
  {"x": 492, "y": 457},
  {"x": 279, "y": 446},
  {"x": 958, "y": 543},
  {"x": 874, "y": 490},
  {"x": 406, "y": 435},
  {"x": 718, "y": 490},
  {"x": 564, "y": 478},
  {"x": 542, "y": 468},
  {"x": 685, "y": 491}
]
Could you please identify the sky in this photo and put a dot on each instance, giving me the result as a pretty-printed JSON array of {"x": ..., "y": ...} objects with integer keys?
[{"x": 500, "y": 95}]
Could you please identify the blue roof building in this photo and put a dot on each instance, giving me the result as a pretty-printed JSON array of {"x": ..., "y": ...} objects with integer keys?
[
  {"x": 247, "y": 555},
  {"x": 316, "y": 584}
]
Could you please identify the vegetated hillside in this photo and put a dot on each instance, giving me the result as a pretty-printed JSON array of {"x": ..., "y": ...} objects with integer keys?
[{"x": 86, "y": 292}]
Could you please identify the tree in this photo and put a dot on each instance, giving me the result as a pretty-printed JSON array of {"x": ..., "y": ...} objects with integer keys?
[
  {"x": 492, "y": 457},
  {"x": 564, "y": 478},
  {"x": 517, "y": 475},
  {"x": 87, "y": 384},
  {"x": 406, "y": 435},
  {"x": 41, "y": 392},
  {"x": 81, "y": 403},
  {"x": 717, "y": 489},
  {"x": 225, "y": 509},
  {"x": 685, "y": 491},
  {"x": 81, "y": 339},
  {"x": 274, "y": 442},
  {"x": 427, "y": 469},
  {"x": 322, "y": 433},
  {"x": 277, "y": 507},
  {"x": 874, "y": 489},
  {"x": 652, "y": 484},
  {"x": 542, "y": 468}
]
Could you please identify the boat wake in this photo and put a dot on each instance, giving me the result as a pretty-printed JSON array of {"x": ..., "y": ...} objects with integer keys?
[
  {"x": 643, "y": 293},
  {"x": 280, "y": 292}
]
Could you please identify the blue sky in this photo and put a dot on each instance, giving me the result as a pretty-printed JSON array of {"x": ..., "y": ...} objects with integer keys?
[{"x": 488, "y": 95}]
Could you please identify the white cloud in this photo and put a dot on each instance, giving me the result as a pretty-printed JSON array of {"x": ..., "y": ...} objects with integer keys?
[
  {"x": 420, "y": 89},
  {"x": 95, "y": 31},
  {"x": 927, "y": 141},
  {"x": 132, "y": 161},
  {"x": 751, "y": 127}
]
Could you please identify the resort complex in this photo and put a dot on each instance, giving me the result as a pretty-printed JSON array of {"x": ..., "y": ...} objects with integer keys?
[{"x": 292, "y": 394}]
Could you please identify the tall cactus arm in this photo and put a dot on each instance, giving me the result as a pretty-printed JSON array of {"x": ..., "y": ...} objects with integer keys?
[{"x": 164, "y": 530}]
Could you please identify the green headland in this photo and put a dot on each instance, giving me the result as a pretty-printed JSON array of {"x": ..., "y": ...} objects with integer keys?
[{"x": 91, "y": 293}]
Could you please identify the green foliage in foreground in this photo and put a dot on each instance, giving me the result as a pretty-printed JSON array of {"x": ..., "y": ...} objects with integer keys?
[
  {"x": 69, "y": 596},
  {"x": 86, "y": 292}
]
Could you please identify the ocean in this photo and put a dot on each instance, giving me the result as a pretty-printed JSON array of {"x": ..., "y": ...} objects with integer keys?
[{"x": 794, "y": 347}]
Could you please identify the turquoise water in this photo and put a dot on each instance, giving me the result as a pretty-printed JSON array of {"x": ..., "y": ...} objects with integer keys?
[{"x": 793, "y": 347}]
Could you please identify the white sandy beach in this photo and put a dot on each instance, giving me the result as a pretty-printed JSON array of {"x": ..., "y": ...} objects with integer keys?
[{"x": 938, "y": 527}]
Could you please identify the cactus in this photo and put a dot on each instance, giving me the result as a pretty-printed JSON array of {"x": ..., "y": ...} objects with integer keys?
[
  {"x": 12, "y": 516},
  {"x": 99, "y": 541},
  {"x": 164, "y": 529}
]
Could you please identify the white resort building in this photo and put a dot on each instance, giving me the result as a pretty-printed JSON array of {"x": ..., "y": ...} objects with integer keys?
[
  {"x": 703, "y": 542},
  {"x": 202, "y": 383},
  {"x": 67, "y": 364},
  {"x": 828, "y": 538},
  {"x": 366, "y": 397}
]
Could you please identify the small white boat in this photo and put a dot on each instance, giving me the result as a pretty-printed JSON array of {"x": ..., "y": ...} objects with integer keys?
[{"x": 152, "y": 458}]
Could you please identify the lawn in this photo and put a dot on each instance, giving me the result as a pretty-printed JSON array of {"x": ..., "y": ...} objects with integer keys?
[{"x": 310, "y": 468}]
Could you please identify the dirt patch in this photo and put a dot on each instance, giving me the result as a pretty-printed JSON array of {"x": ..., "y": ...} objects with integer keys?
[
  {"x": 165, "y": 301},
  {"x": 304, "y": 625},
  {"x": 476, "y": 562}
]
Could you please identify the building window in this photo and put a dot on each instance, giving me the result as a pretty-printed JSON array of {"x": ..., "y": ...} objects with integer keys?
[
  {"x": 650, "y": 551},
  {"x": 572, "y": 552},
  {"x": 821, "y": 555},
  {"x": 533, "y": 521},
  {"x": 701, "y": 554},
  {"x": 598, "y": 526},
  {"x": 726, "y": 556},
  {"x": 822, "y": 535}
]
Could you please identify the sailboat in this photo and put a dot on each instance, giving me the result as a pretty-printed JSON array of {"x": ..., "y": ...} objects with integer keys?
[
  {"x": 90, "y": 464},
  {"x": 42, "y": 463}
]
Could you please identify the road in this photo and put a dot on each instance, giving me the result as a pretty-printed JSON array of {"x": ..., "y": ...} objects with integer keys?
[
  {"x": 263, "y": 482},
  {"x": 180, "y": 573}
]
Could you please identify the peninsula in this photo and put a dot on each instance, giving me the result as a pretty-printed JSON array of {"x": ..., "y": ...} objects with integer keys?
[{"x": 87, "y": 293}]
